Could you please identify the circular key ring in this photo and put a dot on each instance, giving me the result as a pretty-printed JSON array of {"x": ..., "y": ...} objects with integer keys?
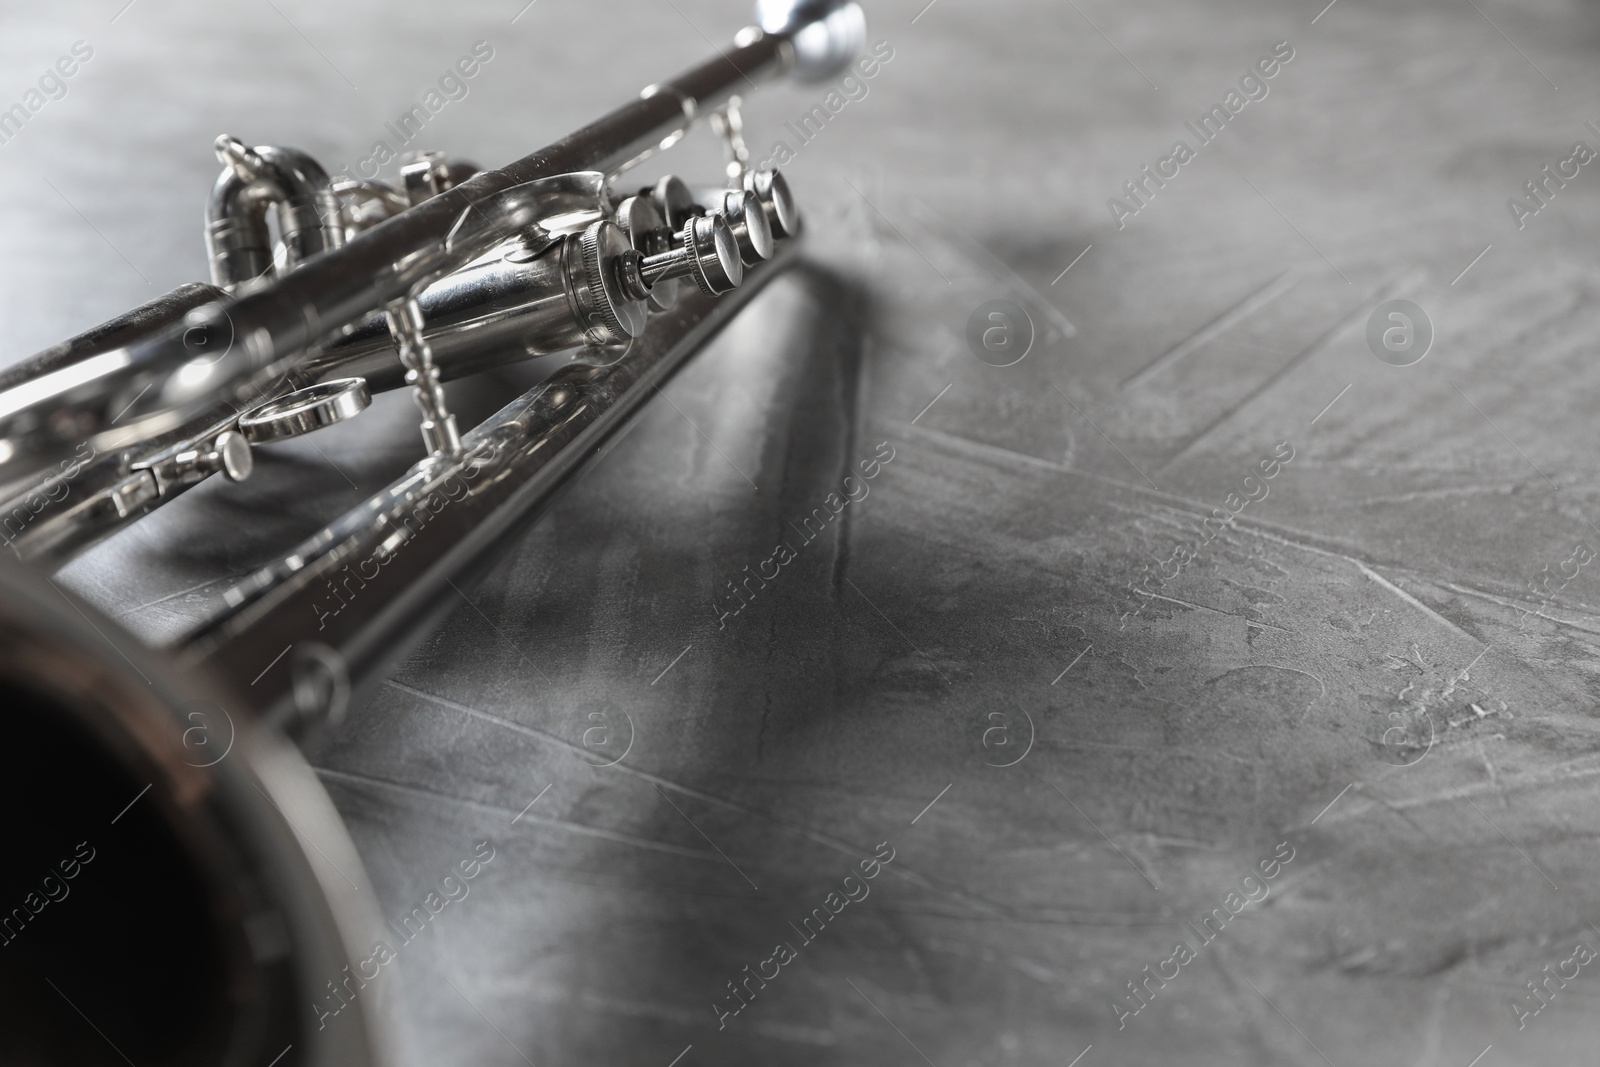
[{"x": 305, "y": 410}]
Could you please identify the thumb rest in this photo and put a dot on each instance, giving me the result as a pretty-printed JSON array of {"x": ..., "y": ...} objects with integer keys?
[{"x": 322, "y": 293}]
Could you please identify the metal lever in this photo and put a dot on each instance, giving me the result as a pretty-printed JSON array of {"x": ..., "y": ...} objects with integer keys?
[
  {"x": 747, "y": 218},
  {"x": 771, "y": 191},
  {"x": 707, "y": 252},
  {"x": 227, "y": 454},
  {"x": 646, "y": 226}
]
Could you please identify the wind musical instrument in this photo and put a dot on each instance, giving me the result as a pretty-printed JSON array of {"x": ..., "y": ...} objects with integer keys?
[{"x": 190, "y": 893}]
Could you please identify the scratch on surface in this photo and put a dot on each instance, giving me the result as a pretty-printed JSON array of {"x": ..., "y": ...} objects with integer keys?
[
  {"x": 1176, "y": 520},
  {"x": 1560, "y": 775},
  {"x": 1444, "y": 491},
  {"x": 1167, "y": 841},
  {"x": 1326, "y": 338},
  {"x": 922, "y": 881},
  {"x": 1219, "y": 611},
  {"x": 1292, "y": 882},
  {"x": 1145, "y": 750},
  {"x": 1287, "y": 536},
  {"x": 1138, "y": 859},
  {"x": 1308, "y": 674},
  {"x": 981, "y": 451},
  {"x": 1261, "y": 529},
  {"x": 173, "y": 596},
  {"x": 672, "y": 1013},
  {"x": 1513, "y": 605},
  {"x": 1413, "y": 601},
  {"x": 613, "y": 836},
  {"x": 1216, "y": 327},
  {"x": 1393, "y": 808},
  {"x": 1279, "y": 667},
  {"x": 1047, "y": 917},
  {"x": 1042, "y": 975},
  {"x": 1133, "y": 668}
]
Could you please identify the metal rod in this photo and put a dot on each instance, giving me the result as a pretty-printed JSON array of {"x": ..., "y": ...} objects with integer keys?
[{"x": 275, "y": 325}]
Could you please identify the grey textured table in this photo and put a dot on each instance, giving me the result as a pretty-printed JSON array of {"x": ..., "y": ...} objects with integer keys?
[{"x": 974, "y": 606}]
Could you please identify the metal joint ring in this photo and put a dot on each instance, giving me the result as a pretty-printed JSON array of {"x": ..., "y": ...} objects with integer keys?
[{"x": 305, "y": 410}]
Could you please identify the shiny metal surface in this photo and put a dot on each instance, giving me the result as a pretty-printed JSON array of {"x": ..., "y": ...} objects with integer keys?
[
  {"x": 555, "y": 286},
  {"x": 704, "y": 251},
  {"x": 96, "y": 491},
  {"x": 216, "y": 892},
  {"x": 495, "y": 267},
  {"x": 983, "y": 584},
  {"x": 673, "y": 198},
  {"x": 407, "y": 328},
  {"x": 771, "y": 191},
  {"x": 648, "y": 233},
  {"x": 154, "y": 317},
  {"x": 395, "y": 560},
  {"x": 383, "y": 264},
  {"x": 254, "y": 181},
  {"x": 306, "y": 410},
  {"x": 228, "y": 454},
  {"x": 827, "y": 34},
  {"x": 747, "y": 219}
]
